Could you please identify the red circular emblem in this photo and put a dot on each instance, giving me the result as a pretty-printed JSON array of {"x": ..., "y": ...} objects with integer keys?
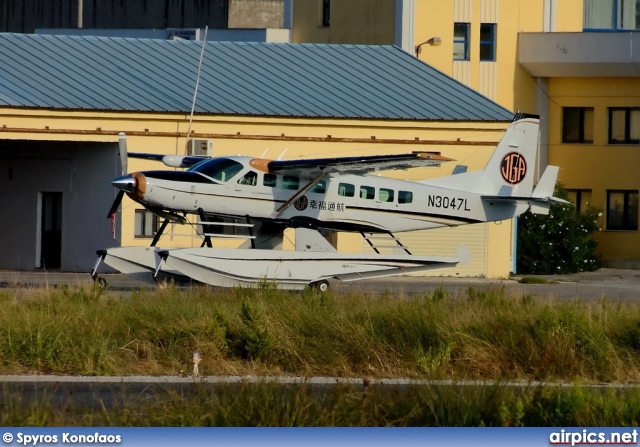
[
  {"x": 513, "y": 168},
  {"x": 301, "y": 203}
]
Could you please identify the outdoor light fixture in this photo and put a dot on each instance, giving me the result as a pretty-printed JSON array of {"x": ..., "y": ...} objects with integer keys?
[{"x": 434, "y": 42}]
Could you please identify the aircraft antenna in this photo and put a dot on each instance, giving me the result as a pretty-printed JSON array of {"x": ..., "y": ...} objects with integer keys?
[
  {"x": 195, "y": 91},
  {"x": 283, "y": 152}
]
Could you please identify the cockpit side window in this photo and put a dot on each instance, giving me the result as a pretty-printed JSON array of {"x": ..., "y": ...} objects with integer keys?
[
  {"x": 250, "y": 179},
  {"x": 221, "y": 169}
]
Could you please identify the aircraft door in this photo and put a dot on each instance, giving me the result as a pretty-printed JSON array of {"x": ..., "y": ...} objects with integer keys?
[{"x": 51, "y": 230}]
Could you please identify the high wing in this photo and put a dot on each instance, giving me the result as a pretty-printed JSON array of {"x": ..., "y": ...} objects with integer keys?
[
  {"x": 359, "y": 165},
  {"x": 175, "y": 161},
  {"x": 351, "y": 165}
]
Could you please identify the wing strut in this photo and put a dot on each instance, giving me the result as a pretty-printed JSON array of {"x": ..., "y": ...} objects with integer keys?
[
  {"x": 293, "y": 198},
  {"x": 156, "y": 238}
]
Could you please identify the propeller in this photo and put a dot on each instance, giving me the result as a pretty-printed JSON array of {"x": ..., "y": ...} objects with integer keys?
[
  {"x": 116, "y": 204},
  {"x": 122, "y": 151},
  {"x": 122, "y": 145}
]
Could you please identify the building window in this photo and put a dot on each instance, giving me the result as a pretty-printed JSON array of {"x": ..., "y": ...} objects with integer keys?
[
  {"x": 326, "y": 12},
  {"x": 460, "y": 41},
  {"x": 581, "y": 198},
  {"x": 577, "y": 124},
  {"x": 146, "y": 224},
  {"x": 611, "y": 15},
  {"x": 622, "y": 210},
  {"x": 488, "y": 42},
  {"x": 624, "y": 125}
]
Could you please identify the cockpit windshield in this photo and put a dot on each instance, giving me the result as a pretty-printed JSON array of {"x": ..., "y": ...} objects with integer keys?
[{"x": 221, "y": 169}]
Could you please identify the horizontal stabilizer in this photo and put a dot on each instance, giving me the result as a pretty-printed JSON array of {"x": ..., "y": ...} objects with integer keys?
[
  {"x": 546, "y": 186},
  {"x": 541, "y": 198},
  {"x": 540, "y": 208},
  {"x": 518, "y": 199}
]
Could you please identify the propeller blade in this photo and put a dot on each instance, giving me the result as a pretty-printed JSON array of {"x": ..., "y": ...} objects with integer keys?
[
  {"x": 122, "y": 145},
  {"x": 116, "y": 204}
]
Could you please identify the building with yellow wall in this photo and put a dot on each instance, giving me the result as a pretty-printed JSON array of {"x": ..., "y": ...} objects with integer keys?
[
  {"x": 65, "y": 100},
  {"x": 571, "y": 61}
]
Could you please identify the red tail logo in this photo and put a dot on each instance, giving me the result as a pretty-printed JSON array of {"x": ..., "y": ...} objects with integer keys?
[{"x": 513, "y": 168}]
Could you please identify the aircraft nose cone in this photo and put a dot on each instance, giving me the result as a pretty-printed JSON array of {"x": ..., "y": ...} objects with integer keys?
[{"x": 126, "y": 183}]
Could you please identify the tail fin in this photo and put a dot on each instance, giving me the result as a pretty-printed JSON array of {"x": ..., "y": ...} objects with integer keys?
[
  {"x": 508, "y": 177},
  {"x": 510, "y": 170}
]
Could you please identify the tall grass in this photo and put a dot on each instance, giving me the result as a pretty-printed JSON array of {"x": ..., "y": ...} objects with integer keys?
[{"x": 480, "y": 335}]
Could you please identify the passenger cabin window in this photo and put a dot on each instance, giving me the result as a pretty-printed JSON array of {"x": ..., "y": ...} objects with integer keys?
[
  {"x": 270, "y": 180},
  {"x": 385, "y": 195},
  {"x": 405, "y": 197},
  {"x": 220, "y": 169},
  {"x": 346, "y": 190},
  {"x": 290, "y": 182},
  {"x": 367, "y": 192},
  {"x": 320, "y": 187},
  {"x": 249, "y": 179}
]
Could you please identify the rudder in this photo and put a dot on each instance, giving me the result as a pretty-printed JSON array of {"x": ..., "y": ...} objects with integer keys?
[{"x": 511, "y": 168}]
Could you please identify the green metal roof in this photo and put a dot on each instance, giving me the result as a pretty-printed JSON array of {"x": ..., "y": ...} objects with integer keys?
[{"x": 237, "y": 78}]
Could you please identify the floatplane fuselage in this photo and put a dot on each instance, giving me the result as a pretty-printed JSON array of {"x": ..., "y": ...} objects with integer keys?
[
  {"x": 341, "y": 194},
  {"x": 345, "y": 203}
]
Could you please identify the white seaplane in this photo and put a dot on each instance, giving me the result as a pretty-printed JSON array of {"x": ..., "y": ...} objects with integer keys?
[{"x": 313, "y": 195}]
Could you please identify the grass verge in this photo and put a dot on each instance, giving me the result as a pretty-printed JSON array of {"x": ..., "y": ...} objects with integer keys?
[{"x": 480, "y": 335}]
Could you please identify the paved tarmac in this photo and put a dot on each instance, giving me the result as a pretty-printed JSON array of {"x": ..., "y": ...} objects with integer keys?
[
  {"x": 610, "y": 283},
  {"x": 107, "y": 392}
]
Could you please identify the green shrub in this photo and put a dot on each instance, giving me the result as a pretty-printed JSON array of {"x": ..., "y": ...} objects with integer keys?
[{"x": 560, "y": 242}]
